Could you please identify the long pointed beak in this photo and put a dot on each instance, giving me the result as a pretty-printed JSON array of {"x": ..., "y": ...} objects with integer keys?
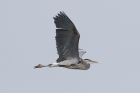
[{"x": 94, "y": 62}]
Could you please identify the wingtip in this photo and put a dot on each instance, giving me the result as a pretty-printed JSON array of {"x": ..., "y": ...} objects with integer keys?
[
  {"x": 60, "y": 14},
  {"x": 61, "y": 11}
]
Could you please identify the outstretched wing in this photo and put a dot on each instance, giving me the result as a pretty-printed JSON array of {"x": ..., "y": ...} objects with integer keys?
[
  {"x": 81, "y": 52},
  {"x": 67, "y": 38}
]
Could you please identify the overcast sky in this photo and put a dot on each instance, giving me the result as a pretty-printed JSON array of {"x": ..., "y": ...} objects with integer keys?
[{"x": 110, "y": 33}]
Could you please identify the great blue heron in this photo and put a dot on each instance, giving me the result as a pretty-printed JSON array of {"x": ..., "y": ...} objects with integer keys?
[{"x": 67, "y": 40}]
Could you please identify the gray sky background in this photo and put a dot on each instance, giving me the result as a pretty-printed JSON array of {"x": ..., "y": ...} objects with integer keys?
[{"x": 110, "y": 33}]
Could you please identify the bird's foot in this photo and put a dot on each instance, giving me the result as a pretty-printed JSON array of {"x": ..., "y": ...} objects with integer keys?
[{"x": 38, "y": 66}]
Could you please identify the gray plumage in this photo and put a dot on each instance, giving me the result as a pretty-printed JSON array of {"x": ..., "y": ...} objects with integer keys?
[{"x": 67, "y": 40}]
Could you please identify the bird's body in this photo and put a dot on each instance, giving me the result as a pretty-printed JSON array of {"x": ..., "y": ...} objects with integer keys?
[
  {"x": 67, "y": 40},
  {"x": 83, "y": 65}
]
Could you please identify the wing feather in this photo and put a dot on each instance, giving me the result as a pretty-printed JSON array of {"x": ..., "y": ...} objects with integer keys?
[
  {"x": 67, "y": 38},
  {"x": 81, "y": 52}
]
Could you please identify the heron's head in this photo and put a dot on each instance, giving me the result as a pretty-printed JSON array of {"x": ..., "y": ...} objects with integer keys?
[{"x": 91, "y": 61}]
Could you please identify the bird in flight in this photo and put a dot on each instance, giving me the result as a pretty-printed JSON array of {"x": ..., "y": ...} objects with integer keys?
[{"x": 67, "y": 40}]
